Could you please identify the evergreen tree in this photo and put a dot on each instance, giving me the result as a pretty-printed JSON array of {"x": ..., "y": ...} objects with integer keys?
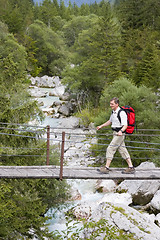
[
  {"x": 84, "y": 9},
  {"x": 138, "y": 13},
  {"x": 148, "y": 70},
  {"x": 16, "y": 14},
  {"x": 75, "y": 9}
]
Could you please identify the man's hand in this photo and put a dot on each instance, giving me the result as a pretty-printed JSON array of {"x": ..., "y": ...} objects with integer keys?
[
  {"x": 120, "y": 133},
  {"x": 99, "y": 127}
]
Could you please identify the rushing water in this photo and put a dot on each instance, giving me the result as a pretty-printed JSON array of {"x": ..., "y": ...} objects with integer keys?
[{"x": 86, "y": 188}]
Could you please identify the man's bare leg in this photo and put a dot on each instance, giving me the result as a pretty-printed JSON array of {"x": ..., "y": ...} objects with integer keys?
[
  {"x": 108, "y": 162},
  {"x": 130, "y": 168},
  {"x": 129, "y": 161}
]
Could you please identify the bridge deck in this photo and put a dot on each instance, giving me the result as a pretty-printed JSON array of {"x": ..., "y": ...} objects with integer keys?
[{"x": 75, "y": 173}]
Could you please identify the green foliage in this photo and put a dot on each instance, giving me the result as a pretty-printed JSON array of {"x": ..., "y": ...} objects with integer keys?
[
  {"x": 17, "y": 15},
  {"x": 23, "y": 205},
  {"x": 87, "y": 116},
  {"x": 96, "y": 61},
  {"x": 75, "y": 26},
  {"x": 50, "y": 48},
  {"x": 14, "y": 99},
  {"x": 139, "y": 13}
]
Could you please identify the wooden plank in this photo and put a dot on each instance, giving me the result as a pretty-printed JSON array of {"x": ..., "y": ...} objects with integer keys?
[{"x": 75, "y": 173}]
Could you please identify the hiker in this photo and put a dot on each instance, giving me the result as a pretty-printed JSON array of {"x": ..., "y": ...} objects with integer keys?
[{"x": 118, "y": 137}]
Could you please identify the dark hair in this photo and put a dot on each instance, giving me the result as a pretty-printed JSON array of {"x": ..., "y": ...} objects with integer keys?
[{"x": 115, "y": 99}]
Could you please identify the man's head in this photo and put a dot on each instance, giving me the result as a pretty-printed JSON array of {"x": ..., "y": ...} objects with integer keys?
[{"x": 114, "y": 103}]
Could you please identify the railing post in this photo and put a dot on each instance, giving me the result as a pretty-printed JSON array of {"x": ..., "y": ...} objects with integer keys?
[
  {"x": 62, "y": 156},
  {"x": 48, "y": 138}
]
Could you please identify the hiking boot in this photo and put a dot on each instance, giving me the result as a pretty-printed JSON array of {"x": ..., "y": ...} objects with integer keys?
[
  {"x": 104, "y": 170},
  {"x": 129, "y": 170}
]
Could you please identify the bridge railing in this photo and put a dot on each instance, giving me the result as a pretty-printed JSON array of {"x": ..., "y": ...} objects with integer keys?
[{"x": 67, "y": 139}]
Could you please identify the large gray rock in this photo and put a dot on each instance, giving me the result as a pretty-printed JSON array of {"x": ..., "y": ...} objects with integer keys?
[
  {"x": 45, "y": 81},
  {"x": 64, "y": 110},
  {"x": 37, "y": 93},
  {"x": 155, "y": 202},
  {"x": 105, "y": 186},
  {"x": 70, "y": 122},
  {"x": 58, "y": 91},
  {"x": 120, "y": 217},
  {"x": 146, "y": 165},
  {"x": 124, "y": 198},
  {"x": 142, "y": 192},
  {"x": 67, "y": 108}
]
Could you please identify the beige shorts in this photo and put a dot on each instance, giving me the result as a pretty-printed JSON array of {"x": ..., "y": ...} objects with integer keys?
[{"x": 117, "y": 143}]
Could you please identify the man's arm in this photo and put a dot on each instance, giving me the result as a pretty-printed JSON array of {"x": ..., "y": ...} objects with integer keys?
[
  {"x": 122, "y": 130},
  {"x": 123, "y": 122},
  {"x": 104, "y": 125}
]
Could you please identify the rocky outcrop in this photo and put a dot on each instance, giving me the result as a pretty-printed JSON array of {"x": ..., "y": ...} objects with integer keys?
[
  {"x": 155, "y": 202},
  {"x": 142, "y": 192},
  {"x": 63, "y": 107},
  {"x": 37, "y": 93},
  {"x": 45, "y": 81},
  {"x": 105, "y": 186},
  {"x": 119, "y": 217},
  {"x": 67, "y": 108},
  {"x": 115, "y": 208}
]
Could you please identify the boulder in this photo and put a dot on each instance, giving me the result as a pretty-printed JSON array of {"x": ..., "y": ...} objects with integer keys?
[
  {"x": 119, "y": 218},
  {"x": 70, "y": 122},
  {"x": 67, "y": 108},
  {"x": 48, "y": 111},
  {"x": 64, "y": 110},
  {"x": 142, "y": 192},
  {"x": 155, "y": 202},
  {"x": 36, "y": 93},
  {"x": 146, "y": 165},
  {"x": 56, "y": 104},
  {"x": 75, "y": 195},
  {"x": 58, "y": 91},
  {"x": 65, "y": 97},
  {"x": 123, "y": 198},
  {"x": 105, "y": 186},
  {"x": 45, "y": 81}
]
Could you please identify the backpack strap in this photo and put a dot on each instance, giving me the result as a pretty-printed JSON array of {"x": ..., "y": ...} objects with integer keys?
[{"x": 118, "y": 114}]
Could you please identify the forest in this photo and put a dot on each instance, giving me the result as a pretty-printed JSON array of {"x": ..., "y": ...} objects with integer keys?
[{"x": 99, "y": 51}]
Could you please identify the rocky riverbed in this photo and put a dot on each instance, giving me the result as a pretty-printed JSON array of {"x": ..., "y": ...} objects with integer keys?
[{"x": 132, "y": 206}]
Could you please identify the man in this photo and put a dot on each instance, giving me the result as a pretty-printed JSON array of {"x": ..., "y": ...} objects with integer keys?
[{"x": 118, "y": 137}]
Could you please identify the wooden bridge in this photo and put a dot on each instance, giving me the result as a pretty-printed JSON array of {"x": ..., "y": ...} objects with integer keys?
[
  {"x": 56, "y": 172},
  {"x": 64, "y": 142}
]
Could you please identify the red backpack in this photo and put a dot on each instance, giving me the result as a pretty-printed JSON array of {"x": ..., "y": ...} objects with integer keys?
[{"x": 130, "y": 118}]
